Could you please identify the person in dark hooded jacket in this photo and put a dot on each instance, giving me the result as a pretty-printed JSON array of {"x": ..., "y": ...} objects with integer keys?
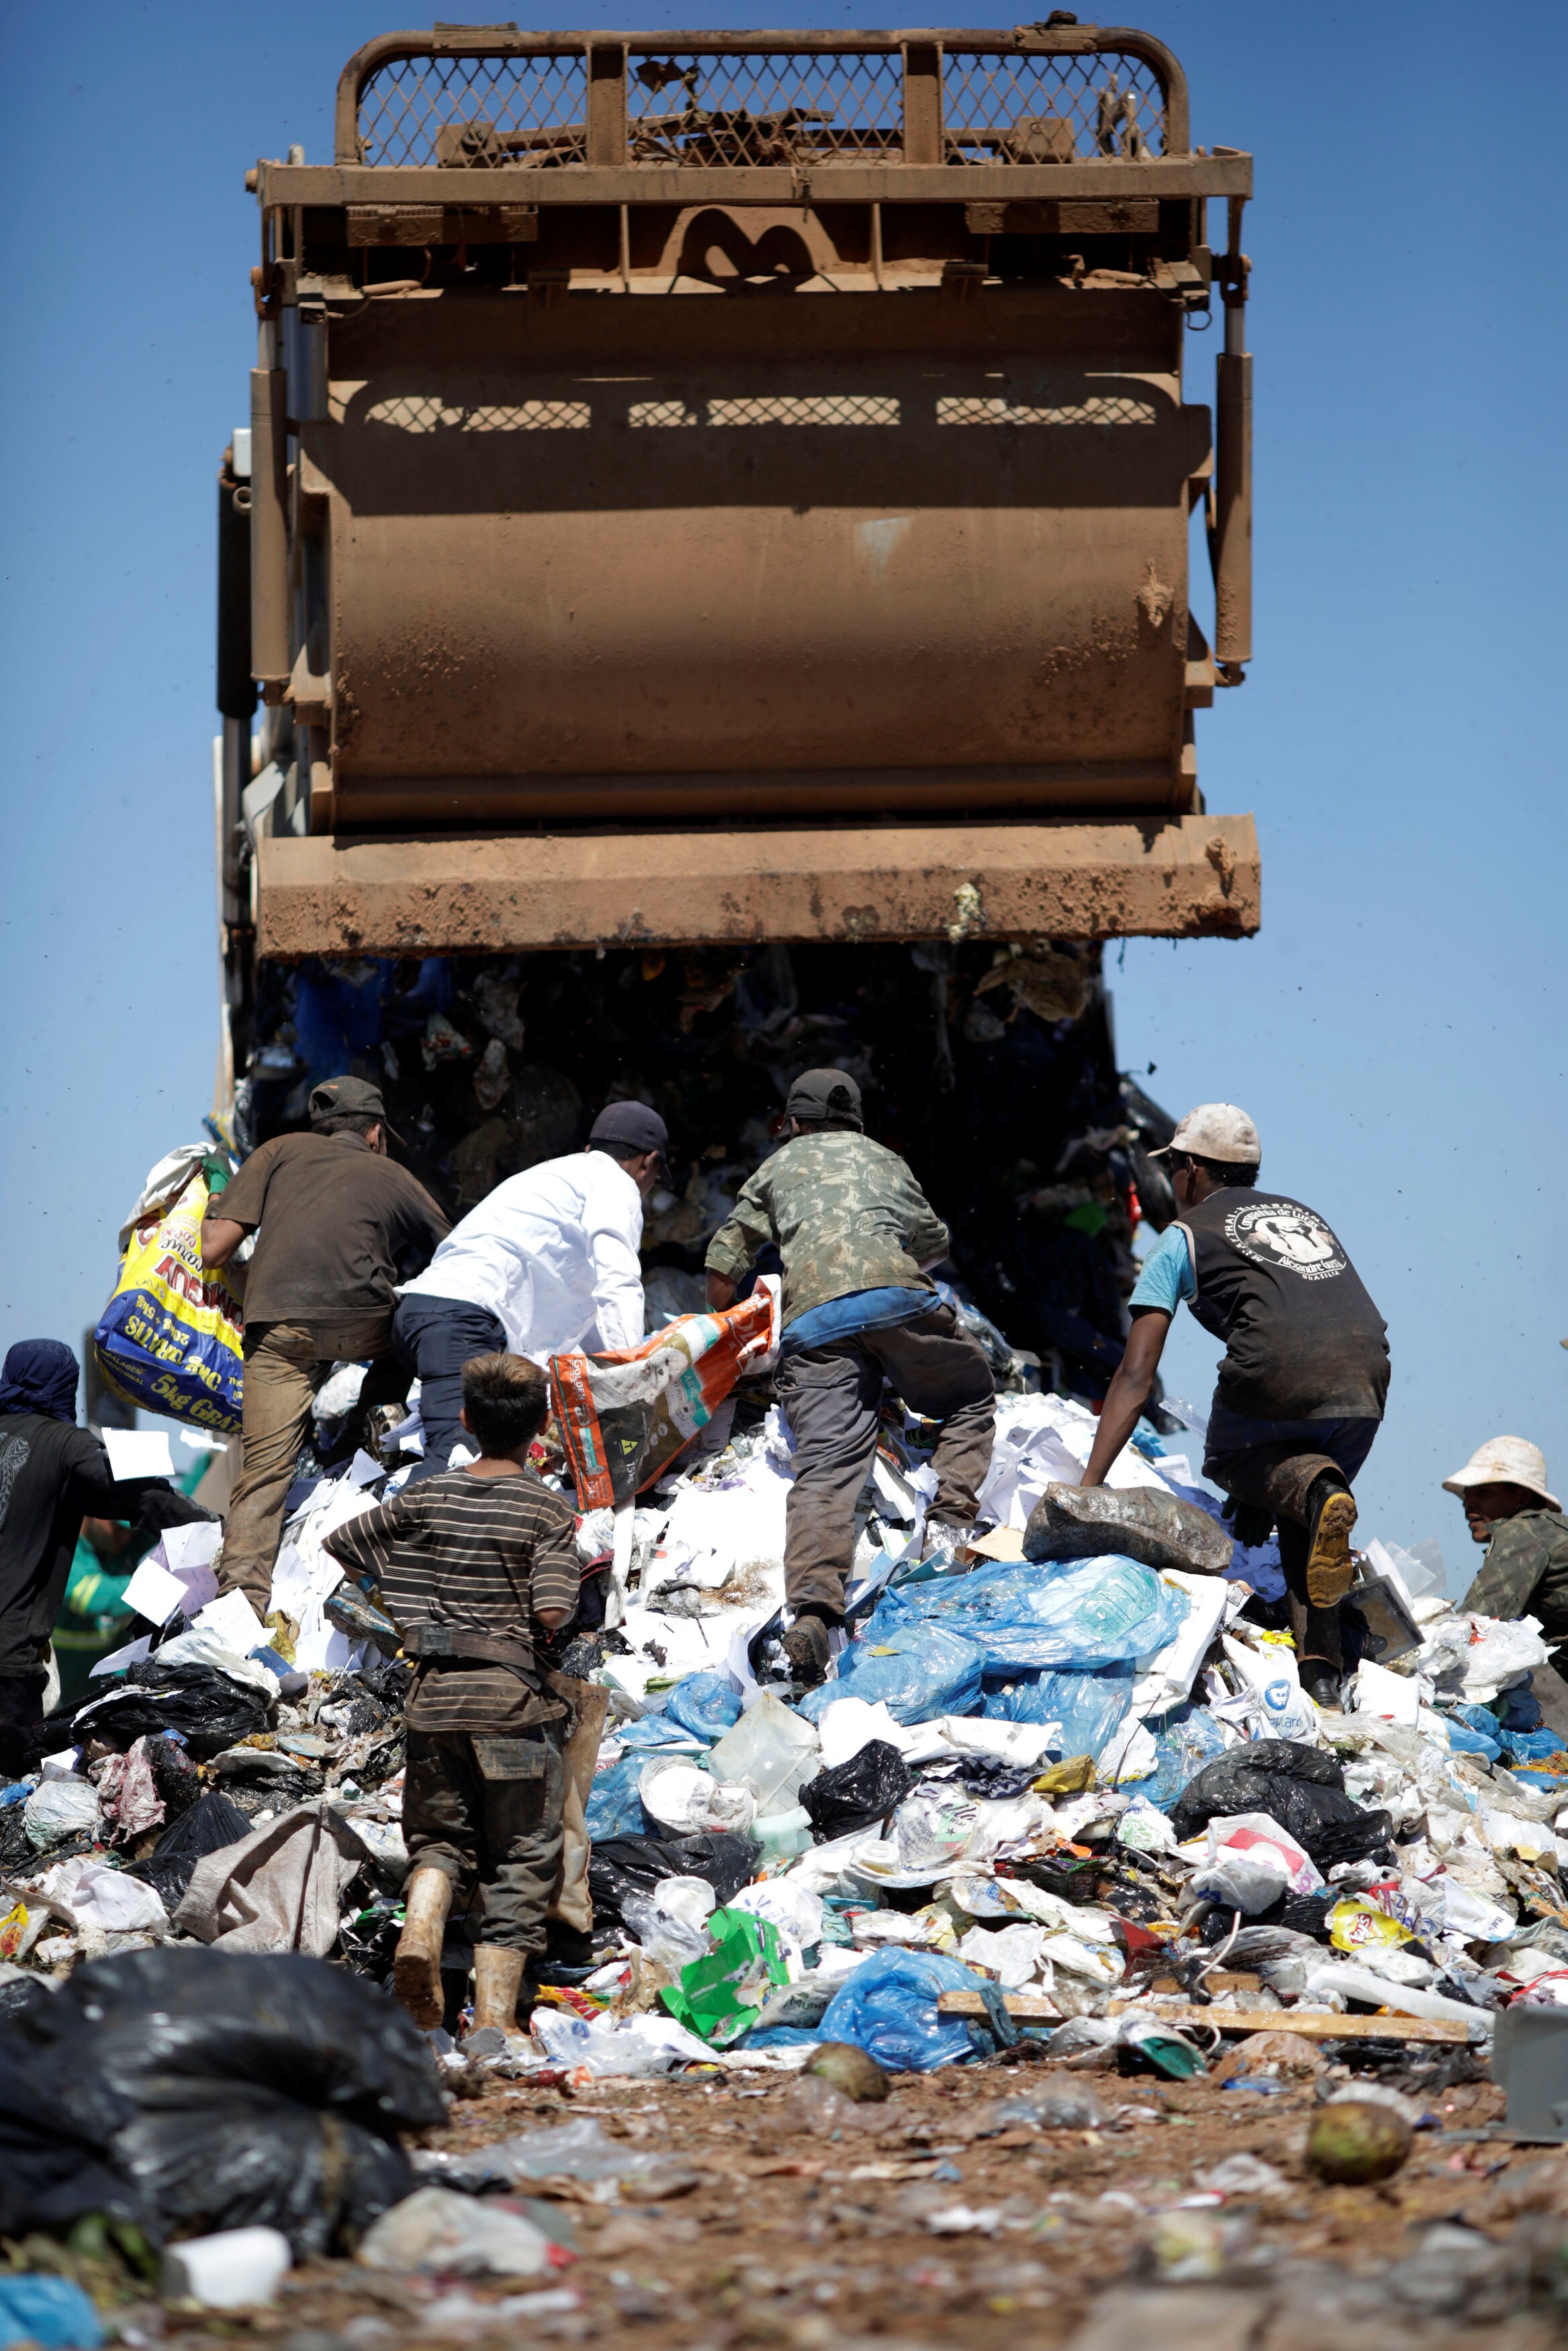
[{"x": 53, "y": 1474}]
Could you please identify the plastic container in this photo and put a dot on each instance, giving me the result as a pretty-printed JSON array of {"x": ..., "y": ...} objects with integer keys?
[
  {"x": 771, "y": 1751},
  {"x": 782, "y": 1835}
]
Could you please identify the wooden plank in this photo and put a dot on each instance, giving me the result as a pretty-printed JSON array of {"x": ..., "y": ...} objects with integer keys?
[
  {"x": 1314, "y": 2024},
  {"x": 1026, "y": 2007},
  {"x": 1030, "y": 2008}
]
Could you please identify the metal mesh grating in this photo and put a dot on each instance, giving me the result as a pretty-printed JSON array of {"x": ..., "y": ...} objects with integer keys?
[
  {"x": 476, "y": 111},
  {"x": 714, "y": 111},
  {"x": 748, "y": 107},
  {"x": 1050, "y": 110}
]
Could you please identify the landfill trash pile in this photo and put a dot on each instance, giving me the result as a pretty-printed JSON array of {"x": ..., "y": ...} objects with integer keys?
[
  {"x": 1060, "y": 1854},
  {"x": 1061, "y": 1836}
]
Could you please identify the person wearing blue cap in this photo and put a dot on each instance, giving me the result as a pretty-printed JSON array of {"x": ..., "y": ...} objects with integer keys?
[{"x": 548, "y": 1261}]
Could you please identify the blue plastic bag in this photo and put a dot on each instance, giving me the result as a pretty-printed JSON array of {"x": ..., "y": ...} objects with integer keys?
[
  {"x": 1076, "y": 1612},
  {"x": 1473, "y": 1731},
  {"x": 1090, "y": 1706},
  {"x": 614, "y": 1807},
  {"x": 889, "y": 2008},
  {"x": 1184, "y": 1741},
  {"x": 922, "y": 1669},
  {"x": 1518, "y": 1709},
  {"x": 47, "y": 2310},
  {"x": 1530, "y": 1746},
  {"x": 706, "y": 1703}
]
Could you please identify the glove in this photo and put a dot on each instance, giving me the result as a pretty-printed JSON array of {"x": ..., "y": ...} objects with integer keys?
[{"x": 162, "y": 1507}]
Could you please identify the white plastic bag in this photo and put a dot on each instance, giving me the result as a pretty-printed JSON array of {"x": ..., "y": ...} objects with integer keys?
[
  {"x": 1273, "y": 1681},
  {"x": 58, "y": 1810}
]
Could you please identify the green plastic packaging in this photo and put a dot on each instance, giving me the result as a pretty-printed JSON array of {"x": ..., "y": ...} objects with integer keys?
[{"x": 718, "y": 1996}]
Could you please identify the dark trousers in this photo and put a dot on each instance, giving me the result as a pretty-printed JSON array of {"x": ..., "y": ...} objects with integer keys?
[
  {"x": 831, "y": 1397},
  {"x": 1278, "y": 1475},
  {"x": 21, "y": 1720},
  {"x": 485, "y": 1809},
  {"x": 434, "y": 1337}
]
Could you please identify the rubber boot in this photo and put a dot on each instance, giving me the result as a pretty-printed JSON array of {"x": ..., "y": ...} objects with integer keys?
[
  {"x": 1324, "y": 1684},
  {"x": 806, "y": 1646},
  {"x": 1331, "y": 1562},
  {"x": 416, "y": 1966},
  {"x": 497, "y": 1980}
]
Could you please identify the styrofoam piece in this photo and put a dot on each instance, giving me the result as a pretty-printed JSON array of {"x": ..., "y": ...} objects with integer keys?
[{"x": 236, "y": 2269}]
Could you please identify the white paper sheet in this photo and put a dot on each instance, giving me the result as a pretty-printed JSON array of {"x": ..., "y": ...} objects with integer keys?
[
  {"x": 118, "y": 1659},
  {"x": 154, "y": 1593},
  {"x": 138, "y": 1452},
  {"x": 185, "y": 1548},
  {"x": 235, "y": 1622}
]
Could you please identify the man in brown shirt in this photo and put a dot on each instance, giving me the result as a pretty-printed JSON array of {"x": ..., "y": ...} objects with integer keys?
[
  {"x": 337, "y": 1224},
  {"x": 467, "y": 1562}
]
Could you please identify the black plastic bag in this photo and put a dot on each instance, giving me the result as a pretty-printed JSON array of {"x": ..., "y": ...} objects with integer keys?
[
  {"x": 983, "y": 1775},
  {"x": 635, "y": 1864},
  {"x": 853, "y": 1796},
  {"x": 1138, "y": 1522},
  {"x": 192, "y": 2090},
  {"x": 209, "y": 1710},
  {"x": 210, "y": 1825},
  {"x": 1300, "y": 1787},
  {"x": 174, "y": 1775}
]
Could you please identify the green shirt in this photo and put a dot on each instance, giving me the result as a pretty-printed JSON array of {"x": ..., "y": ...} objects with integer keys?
[
  {"x": 1525, "y": 1572},
  {"x": 847, "y": 1215}
]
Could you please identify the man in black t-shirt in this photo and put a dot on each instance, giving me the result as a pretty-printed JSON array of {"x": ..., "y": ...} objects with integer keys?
[
  {"x": 53, "y": 1474},
  {"x": 1300, "y": 1391}
]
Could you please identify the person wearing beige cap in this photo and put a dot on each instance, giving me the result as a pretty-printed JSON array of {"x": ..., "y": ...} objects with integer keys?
[
  {"x": 1508, "y": 1507},
  {"x": 1300, "y": 1391}
]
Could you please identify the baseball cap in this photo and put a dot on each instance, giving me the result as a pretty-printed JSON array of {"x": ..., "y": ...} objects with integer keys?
[
  {"x": 336, "y": 1096},
  {"x": 1504, "y": 1461},
  {"x": 1216, "y": 1131},
  {"x": 632, "y": 1124},
  {"x": 819, "y": 1094}
]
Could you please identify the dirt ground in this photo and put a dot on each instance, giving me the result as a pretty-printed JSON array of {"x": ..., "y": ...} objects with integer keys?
[{"x": 921, "y": 2222}]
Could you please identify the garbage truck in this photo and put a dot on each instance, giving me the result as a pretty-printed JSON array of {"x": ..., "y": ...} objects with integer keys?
[{"x": 716, "y": 500}]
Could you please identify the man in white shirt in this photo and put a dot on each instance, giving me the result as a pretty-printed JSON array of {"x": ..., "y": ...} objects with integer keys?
[{"x": 547, "y": 1264}]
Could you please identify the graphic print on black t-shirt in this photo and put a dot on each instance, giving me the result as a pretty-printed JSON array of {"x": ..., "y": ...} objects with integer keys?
[
  {"x": 1302, "y": 1339},
  {"x": 13, "y": 1452},
  {"x": 1278, "y": 1233}
]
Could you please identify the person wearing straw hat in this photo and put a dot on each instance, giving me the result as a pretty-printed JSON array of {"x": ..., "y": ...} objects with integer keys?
[
  {"x": 1508, "y": 1507},
  {"x": 1300, "y": 1391}
]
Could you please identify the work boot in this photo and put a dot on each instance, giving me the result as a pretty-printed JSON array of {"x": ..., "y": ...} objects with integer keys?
[
  {"x": 1331, "y": 1562},
  {"x": 806, "y": 1646},
  {"x": 497, "y": 1980},
  {"x": 416, "y": 1966},
  {"x": 1322, "y": 1684}
]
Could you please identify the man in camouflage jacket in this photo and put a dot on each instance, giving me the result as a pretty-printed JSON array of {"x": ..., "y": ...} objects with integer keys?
[
  {"x": 856, "y": 1234},
  {"x": 1507, "y": 1506}
]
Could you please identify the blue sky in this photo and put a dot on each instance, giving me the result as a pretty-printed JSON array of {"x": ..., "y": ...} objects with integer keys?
[{"x": 1395, "y": 1031}]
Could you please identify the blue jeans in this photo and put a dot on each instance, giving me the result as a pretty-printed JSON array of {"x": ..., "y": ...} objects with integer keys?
[{"x": 434, "y": 1337}]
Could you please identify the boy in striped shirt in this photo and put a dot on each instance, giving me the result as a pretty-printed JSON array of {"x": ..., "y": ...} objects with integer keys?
[{"x": 469, "y": 1563}]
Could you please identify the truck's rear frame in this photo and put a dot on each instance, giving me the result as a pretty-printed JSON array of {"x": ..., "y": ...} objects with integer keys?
[{"x": 1042, "y": 179}]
